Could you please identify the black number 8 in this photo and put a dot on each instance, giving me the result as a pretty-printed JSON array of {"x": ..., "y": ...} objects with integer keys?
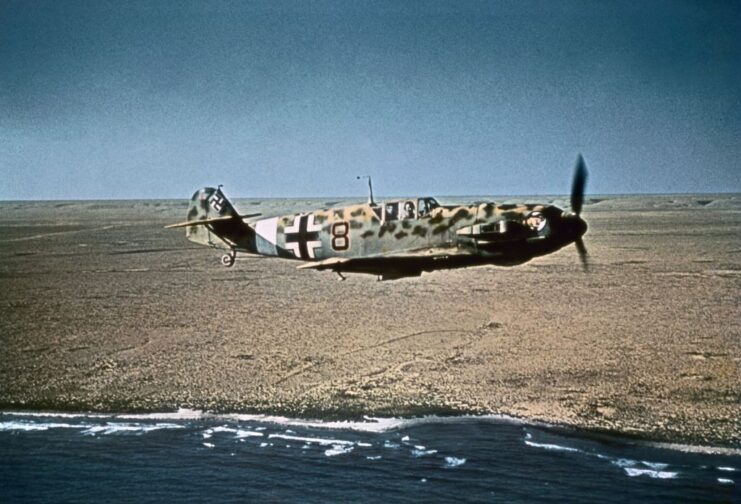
[{"x": 340, "y": 239}]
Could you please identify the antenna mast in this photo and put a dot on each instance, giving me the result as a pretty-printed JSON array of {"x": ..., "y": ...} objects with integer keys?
[{"x": 370, "y": 188}]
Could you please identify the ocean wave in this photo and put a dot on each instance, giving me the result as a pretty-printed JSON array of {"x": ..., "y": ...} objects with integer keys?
[
  {"x": 622, "y": 462},
  {"x": 338, "y": 450},
  {"x": 118, "y": 428},
  {"x": 451, "y": 462},
  {"x": 367, "y": 425},
  {"x": 31, "y": 426},
  {"x": 631, "y": 467},
  {"x": 320, "y": 441},
  {"x": 657, "y": 466},
  {"x": 180, "y": 414},
  {"x": 420, "y": 451},
  {"x": 632, "y": 472},
  {"x": 547, "y": 446},
  {"x": 373, "y": 424},
  {"x": 86, "y": 428},
  {"x": 631, "y": 464},
  {"x": 238, "y": 433}
]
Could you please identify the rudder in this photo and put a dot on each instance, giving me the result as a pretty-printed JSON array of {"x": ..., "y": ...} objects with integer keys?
[{"x": 225, "y": 228}]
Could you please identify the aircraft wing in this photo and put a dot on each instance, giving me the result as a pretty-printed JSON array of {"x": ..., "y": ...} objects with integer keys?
[{"x": 397, "y": 264}]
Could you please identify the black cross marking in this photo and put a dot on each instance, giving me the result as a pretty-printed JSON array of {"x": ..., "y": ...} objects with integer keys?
[{"x": 302, "y": 237}]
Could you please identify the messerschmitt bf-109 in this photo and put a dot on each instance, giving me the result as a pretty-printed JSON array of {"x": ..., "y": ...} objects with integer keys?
[{"x": 393, "y": 239}]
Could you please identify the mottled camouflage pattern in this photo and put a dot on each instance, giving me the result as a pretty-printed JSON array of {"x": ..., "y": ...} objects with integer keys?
[{"x": 369, "y": 239}]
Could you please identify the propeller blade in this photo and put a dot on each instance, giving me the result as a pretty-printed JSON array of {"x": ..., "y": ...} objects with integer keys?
[
  {"x": 583, "y": 255},
  {"x": 577, "y": 187}
]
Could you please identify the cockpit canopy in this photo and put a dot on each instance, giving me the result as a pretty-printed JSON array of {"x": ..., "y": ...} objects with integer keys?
[{"x": 407, "y": 209}]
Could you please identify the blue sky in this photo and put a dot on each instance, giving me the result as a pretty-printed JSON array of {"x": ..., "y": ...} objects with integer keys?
[{"x": 154, "y": 99}]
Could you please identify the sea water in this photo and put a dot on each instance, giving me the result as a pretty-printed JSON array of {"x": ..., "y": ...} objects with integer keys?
[{"x": 191, "y": 456}]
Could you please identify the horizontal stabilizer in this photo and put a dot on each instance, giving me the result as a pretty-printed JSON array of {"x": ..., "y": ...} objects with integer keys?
[{"x": 205, "y": 222}]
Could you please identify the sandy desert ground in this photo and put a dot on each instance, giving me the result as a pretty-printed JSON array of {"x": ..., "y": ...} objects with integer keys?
[{"x": 103, "y": 309}]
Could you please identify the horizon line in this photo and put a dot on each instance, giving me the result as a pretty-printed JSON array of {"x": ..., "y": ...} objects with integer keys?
[{"x": 543, "y": 195}]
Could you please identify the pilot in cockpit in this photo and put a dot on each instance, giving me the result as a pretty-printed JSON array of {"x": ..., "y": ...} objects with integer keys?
[{"x": 409, "y": 210}]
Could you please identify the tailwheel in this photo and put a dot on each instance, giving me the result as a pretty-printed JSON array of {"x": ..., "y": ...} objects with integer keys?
[{"x": 228, "y": 259}]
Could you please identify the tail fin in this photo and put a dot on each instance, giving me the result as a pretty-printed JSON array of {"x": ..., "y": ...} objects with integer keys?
[{"x": 212, "y": 220}]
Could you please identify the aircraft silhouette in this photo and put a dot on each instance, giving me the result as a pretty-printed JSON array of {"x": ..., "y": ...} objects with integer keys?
[{"x": 394, "y": 239}]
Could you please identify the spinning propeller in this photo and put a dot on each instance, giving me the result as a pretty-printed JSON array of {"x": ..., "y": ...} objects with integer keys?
[{"x": 577, "y": 200}]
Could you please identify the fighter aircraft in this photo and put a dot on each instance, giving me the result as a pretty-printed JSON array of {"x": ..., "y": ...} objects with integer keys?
[{"x": 393, "y": 239}]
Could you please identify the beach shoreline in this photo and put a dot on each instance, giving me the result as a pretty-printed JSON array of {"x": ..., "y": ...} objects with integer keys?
[{"x": 371, "y": 423}]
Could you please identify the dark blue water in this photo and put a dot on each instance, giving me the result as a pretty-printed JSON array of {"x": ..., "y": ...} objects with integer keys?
[{"x": 193, "y": 457}]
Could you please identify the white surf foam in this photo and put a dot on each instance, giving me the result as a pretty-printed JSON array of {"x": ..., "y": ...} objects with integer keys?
[
  {"x": 633, "y": 472},
  {"x": 376, "y": 425},
  {"x": 451, "y": 462},
  {"x": 726, "y": 468},
  {"x": 372, "y": 424},
  {"x": 117, "y": 428},
  {"x": 631, "y": 467},
  {"x": 32, "y": 426},
  {"x": 241, "y": 433},
  {"x": 547, "y": 446},
  {"x": 369, "y": 424},
  {"x": 657, "y": 466},
  {"x": 417, "y": 453},
  {"x": 180, "y": 414},
  {"x": 635, "y": 468},
  {"x": 85, "y": 428},
  {"x": 621, "y": 462},
  {"x": 726, "y": 481},
  {"x": 338, "y": 450},
  {"x": 238, "y": 433},
  {"x": 320, "y": 441}
]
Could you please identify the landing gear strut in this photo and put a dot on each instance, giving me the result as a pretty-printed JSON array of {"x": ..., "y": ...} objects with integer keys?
[{"x": 229, "y": 258}]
